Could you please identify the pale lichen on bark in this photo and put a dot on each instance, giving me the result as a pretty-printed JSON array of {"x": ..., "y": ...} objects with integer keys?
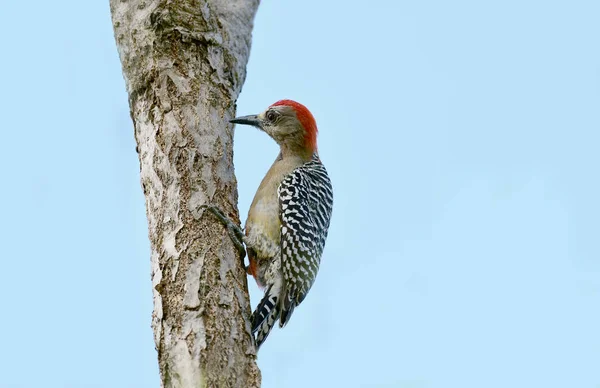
[{"x": 184, "y": 64}]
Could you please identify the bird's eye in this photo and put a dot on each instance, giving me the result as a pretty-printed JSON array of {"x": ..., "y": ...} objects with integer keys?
[{"x": 271, "y": 116}]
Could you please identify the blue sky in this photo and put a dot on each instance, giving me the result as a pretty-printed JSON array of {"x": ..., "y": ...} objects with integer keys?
[{"x": 462, "y": 141}]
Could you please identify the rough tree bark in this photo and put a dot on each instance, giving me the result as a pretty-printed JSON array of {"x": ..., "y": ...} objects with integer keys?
[{"x": 184, "y": 65}]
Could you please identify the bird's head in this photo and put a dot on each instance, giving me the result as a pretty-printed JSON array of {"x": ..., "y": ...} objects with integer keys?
[{"x": 289, "y": 123}]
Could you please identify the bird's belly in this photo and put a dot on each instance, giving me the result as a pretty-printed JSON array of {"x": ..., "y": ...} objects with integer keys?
[{"x": 263, "y": 228}]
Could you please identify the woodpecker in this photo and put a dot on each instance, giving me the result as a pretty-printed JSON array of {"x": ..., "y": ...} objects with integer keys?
[{"x": 289, "y": 217}]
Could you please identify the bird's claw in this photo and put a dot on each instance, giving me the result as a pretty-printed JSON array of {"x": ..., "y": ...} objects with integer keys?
[{"x": 235, "y": 233}]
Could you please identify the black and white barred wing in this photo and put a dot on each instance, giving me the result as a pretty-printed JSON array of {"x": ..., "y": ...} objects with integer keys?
[{"x": 306, "y": 201}]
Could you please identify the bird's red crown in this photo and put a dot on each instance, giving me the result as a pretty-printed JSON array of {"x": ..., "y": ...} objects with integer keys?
[{"x": 306, "y": 119}]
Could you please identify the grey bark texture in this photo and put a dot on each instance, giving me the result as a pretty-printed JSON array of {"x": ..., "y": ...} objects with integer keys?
[{"x": 184, "y": 63}]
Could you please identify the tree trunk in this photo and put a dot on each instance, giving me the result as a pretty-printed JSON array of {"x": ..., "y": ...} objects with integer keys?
[{"x": 184, "y": 65}]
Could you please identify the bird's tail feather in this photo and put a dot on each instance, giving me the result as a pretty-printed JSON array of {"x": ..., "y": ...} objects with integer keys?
[{"x": 266, "y": 314}]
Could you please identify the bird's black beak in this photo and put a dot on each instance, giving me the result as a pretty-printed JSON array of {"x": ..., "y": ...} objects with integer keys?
[{"x": 247, "y": 120}]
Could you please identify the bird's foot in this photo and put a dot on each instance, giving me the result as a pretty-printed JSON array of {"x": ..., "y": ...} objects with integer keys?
[{"x": 235, "y": 232}]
